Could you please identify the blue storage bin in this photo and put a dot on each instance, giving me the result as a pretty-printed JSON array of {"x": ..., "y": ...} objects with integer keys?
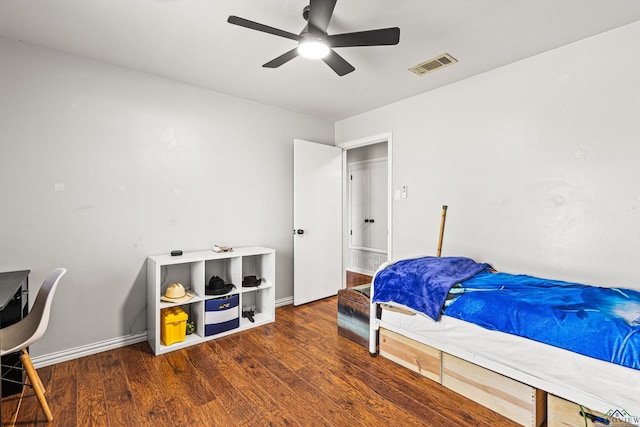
[{"x": 221, "y": 314}]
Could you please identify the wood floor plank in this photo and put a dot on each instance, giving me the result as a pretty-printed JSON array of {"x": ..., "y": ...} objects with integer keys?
[
  {"x": 446, "y": 402},
  {"x": 184, "y": 411},
  {"x": 253, "y": 364},
  {"x": 121, "y": 409},
  {"x": 235, "y": 371},
  {"x": 273, "y": 340},
  {"x": 305, "y": 391},
  {"x": 231, "y": 403},
  {"x": 66, "y": 369},
  {"x": 10, "y": 407},
  {"x": 361, "y": 397},
  {"x": 327, "y": 379},
  {"x": 189, "y": 378},
  {"x": 62, "y": 396},
  {"x": 216, "y": 415},
  {"x": 91, "y": 400},
  {"x": 356, "y": 279},
  {"x": 145, "y": 393},
  {"x": 30, "y": 409}
]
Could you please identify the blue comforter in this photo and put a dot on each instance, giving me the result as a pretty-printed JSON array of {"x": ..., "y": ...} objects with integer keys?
[
  {"x": 423, "y": 283},
  {"x": 603, "y": 323}
]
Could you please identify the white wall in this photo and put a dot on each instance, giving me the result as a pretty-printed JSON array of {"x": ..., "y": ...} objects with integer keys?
[
  {"x": 537, "y": 161},
  {"x": 102, "y": 166}
]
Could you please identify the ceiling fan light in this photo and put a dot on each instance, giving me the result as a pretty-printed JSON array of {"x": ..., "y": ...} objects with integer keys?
[{"x": 313, "y": 49}]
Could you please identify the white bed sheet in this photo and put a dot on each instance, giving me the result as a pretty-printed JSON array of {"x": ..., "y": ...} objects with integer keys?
[{"x": 595, "y": 384}]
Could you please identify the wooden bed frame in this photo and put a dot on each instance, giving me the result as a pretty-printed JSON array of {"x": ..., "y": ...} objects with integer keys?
[
  {"x": 522, "y": 396},
  {"x": 525, "y": 397}
]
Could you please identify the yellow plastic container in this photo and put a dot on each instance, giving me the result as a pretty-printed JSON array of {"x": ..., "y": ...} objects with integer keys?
[{"x": 173, "y": 325}]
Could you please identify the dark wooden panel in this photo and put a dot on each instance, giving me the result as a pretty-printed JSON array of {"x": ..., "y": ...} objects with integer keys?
[
  {"x": 356, "y": 279},
  {"x": 353, "y": 320}
]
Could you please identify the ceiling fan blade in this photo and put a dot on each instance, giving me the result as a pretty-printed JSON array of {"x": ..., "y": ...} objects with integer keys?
[
  {"x": 320, "y": 12},
  {"x": 284, "y": 58},
  {"x": 338, "y": 63},
  {"x": 236, "y": 20},
  {"x": 381, "y": 37}
]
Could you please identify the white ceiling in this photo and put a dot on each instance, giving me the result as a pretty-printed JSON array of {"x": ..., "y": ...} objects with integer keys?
[{"x": 190, "y": 41}]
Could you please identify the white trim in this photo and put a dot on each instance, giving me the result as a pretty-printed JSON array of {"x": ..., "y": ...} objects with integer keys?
[
  {"x": 367, "y": 140},
  {"x": 389, "y": 196},
  {"x": 284, "y": 301},
  {"x": 346, "y": 240},
  {"x": 361, "y": 142},
  {"x": 87, "y": 350}
]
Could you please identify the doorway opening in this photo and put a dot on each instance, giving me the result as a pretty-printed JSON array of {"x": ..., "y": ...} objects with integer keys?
[{"x": 366, "y": 207}]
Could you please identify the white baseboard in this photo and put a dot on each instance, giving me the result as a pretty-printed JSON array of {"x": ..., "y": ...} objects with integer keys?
[
  {"x": 87, "y": 350},
  {"x": 284, "y": 301}
]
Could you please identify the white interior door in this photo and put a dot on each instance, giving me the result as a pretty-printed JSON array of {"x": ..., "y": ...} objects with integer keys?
[
  {"x": 317, "y": 219},
  {"x": 378, "y": 207},
  {"x": 359, "y": 203}
]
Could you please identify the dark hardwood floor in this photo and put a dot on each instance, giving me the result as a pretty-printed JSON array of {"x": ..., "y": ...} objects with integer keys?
[
  {"x": 296, "y": 371},
  {"x": 356, "y": 279}
]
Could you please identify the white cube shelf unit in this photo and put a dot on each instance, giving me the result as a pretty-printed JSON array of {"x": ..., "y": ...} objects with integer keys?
[{"x": 193, "y": 270}]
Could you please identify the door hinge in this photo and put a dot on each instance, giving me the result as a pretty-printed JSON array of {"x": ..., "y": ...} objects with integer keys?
[{"x": 351, "y": 177}]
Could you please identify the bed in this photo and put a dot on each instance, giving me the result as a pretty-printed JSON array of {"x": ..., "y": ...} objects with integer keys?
[{"x": 464, "y": 309}]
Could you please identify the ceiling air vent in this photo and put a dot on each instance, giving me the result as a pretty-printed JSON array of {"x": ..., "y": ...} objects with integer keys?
[{"x": 433, "y": 64}]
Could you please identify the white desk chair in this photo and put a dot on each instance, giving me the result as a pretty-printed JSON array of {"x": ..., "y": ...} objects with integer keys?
[{"x": 20, "y": 335}]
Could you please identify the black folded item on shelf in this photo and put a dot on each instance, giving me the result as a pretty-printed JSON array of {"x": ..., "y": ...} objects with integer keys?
[{"x": 251, "y": 282}]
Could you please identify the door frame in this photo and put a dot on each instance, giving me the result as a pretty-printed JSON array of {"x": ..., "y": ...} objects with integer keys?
[{"x": 356, "y": 143}]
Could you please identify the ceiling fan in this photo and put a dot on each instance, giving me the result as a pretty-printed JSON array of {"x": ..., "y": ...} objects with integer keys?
[{"x": 314, "y": 42}]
